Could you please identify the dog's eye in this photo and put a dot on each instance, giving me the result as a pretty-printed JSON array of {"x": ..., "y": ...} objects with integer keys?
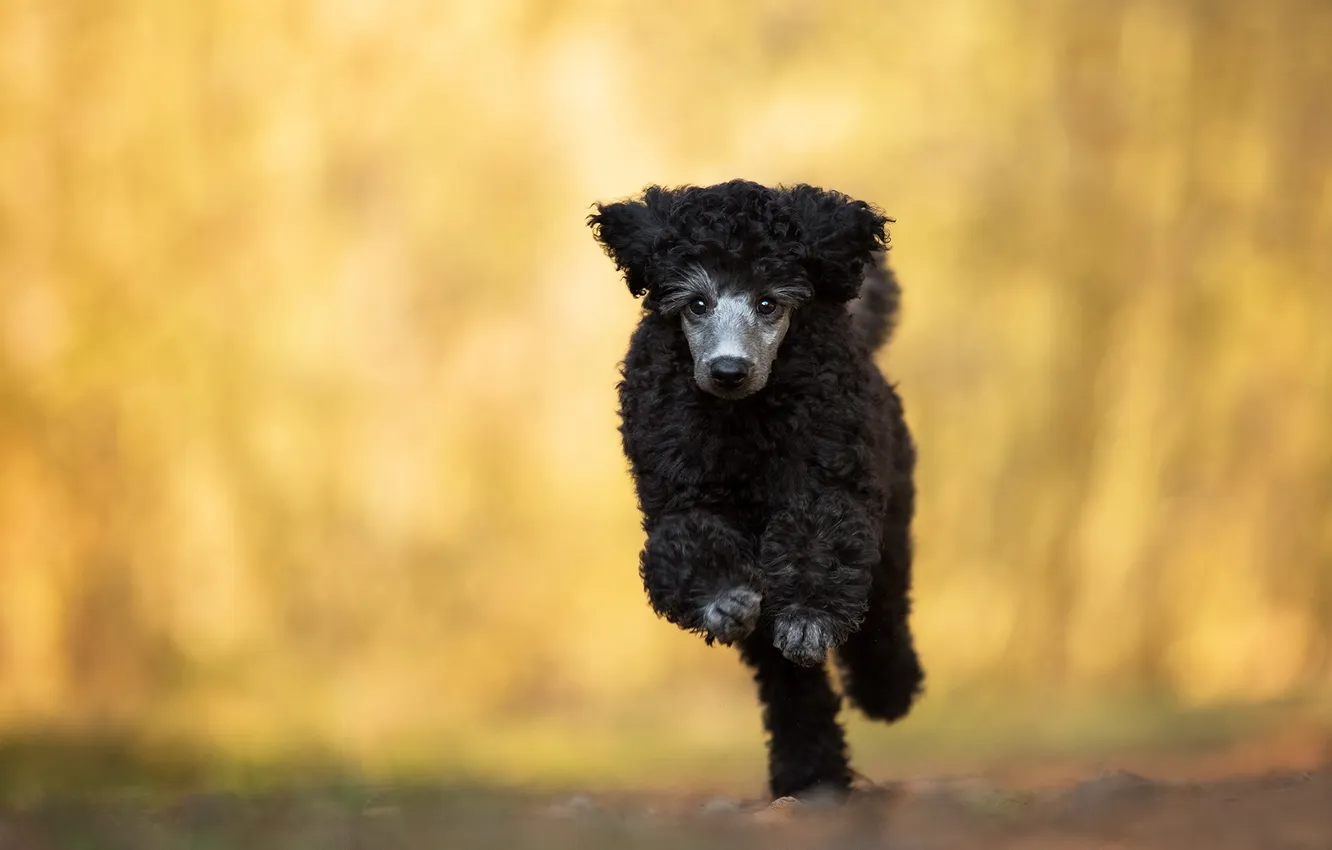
[
  {"x": 767, "y": 306},
  {"x": 698, "y": 306}
]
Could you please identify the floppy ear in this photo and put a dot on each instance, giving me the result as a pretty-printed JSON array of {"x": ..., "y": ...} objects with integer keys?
[
  {"x": 840, "y": 236},
  {"x": 629, "y": 232}
]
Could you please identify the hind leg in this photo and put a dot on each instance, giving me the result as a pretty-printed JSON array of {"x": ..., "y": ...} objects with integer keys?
[
  {"x": 806, "y": 746},
  {"x": 881, "y": 673}
]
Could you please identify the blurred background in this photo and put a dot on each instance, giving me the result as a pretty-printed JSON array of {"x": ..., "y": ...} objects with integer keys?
[{"x": 308, "y": 443}]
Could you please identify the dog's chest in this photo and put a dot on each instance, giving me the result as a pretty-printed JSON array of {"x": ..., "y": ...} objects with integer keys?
[{"x": 743, "y": 455}]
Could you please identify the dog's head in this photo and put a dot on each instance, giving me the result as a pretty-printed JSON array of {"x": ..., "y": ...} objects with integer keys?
[{"x": 733, "y": 262}]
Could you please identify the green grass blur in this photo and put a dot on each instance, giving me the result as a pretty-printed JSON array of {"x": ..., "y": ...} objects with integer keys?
[{"x": 307, "y": 366}]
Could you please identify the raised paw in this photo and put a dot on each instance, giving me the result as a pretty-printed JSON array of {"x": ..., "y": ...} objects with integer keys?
[
  {"x": 803, "y": 638},
  {"x": 732, "y": 614}
]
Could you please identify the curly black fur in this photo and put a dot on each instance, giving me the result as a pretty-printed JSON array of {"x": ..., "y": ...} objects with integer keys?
[{"x": 779, "y": 521}]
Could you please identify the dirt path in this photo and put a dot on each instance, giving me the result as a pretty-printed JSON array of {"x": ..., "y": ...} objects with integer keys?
[
  {"x": 1287, "y": 810},
  {"x": 1269, "y": 794}
]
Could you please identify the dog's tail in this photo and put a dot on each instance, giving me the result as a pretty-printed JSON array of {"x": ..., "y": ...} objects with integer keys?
[{"x": 874, "y": 313}]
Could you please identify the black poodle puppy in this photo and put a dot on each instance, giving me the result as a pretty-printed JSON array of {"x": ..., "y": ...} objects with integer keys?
[{"x": 771, "y": 459}]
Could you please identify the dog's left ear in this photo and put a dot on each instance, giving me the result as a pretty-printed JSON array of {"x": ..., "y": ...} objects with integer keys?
[
  {"x": 840, "y": 237},
  {"x": 629, "y": 232}
]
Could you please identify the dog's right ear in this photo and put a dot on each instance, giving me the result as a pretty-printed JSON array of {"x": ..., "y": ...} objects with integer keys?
[{"x": 630, "y": 233}]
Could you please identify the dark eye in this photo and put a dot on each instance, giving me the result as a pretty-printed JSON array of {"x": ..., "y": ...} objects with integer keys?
[
  {"x": 767, "y": 306},
  {"x": 698, "y": 306}
]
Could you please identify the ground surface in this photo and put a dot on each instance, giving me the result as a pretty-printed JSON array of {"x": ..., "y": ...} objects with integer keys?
[{"x": 1275, "y": 810}]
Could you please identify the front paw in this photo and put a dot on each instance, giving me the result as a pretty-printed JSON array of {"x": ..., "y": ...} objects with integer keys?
[
  {"x": 803, "y": 637},
  {"x": 732, "y": 614}
]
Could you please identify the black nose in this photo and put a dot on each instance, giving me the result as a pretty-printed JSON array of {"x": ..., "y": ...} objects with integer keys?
[{"x": 729, "y": 372}]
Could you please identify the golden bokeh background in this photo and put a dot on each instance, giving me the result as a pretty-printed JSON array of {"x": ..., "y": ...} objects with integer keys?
[{"x": 307, "y": 365}]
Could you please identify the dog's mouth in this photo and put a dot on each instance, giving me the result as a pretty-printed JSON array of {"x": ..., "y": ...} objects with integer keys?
[
  {"x": 731, "y": 391},
  {"x": 729, "y": 395}
]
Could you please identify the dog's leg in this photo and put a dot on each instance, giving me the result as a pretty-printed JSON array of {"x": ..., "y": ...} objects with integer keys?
[
  {"x": 881, "y": 673},
  {"x": 806, "y": 745},
  {"x": 816, "y": 556},
  {"x": 699, "y": 574}
]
